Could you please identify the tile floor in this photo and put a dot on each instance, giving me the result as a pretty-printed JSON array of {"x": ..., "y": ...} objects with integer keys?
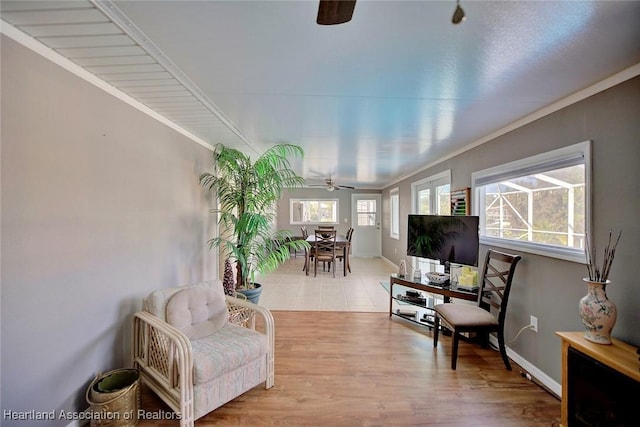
[{"x": 288, "y": 288}]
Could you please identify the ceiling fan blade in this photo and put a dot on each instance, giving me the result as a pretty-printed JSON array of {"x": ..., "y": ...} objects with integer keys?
[
  {"x": 332, "y": 12},
  {"x": 330, "y": 185}
]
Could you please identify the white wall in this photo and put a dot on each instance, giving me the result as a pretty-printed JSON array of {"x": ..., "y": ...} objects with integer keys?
[{"x": 100, "y": 205}]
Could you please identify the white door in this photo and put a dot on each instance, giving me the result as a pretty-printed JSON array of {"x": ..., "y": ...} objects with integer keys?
[{"x": 365, "y": 220}]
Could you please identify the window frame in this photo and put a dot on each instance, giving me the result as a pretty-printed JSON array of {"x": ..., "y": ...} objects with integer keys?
[
  {"x": 433, "y": 182},
  {"x": 376, "y": 212},
  {"x": 531, "y": 165},
  {"x": 314, "y": 199},
  {"x": 394, "y": 213}
]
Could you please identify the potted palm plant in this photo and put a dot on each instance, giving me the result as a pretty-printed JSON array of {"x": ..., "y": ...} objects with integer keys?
[{"x": 247, "y": 193}]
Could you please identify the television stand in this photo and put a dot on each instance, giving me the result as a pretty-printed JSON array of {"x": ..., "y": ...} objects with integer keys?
[{"x": 398, "y": 287}]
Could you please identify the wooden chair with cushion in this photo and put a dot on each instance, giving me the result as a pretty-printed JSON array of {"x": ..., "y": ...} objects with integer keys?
[
  {"x": 325, "y": 249},
  {"x": 302, "y": 236},
  {"x": 340, "y": 256},
  {"x": 198, "y": 348},
  {"x": 308, "y": 253},
  {"x": 494, "y": 292}
]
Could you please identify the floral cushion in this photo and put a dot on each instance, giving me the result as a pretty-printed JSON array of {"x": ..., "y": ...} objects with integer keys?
[{"x": 229, "y": 348}]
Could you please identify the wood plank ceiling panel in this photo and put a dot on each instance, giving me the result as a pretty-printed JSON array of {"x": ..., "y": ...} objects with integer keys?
[
  {"x": 101, "y": 52},
  {"x": 114, "y": 60},
  {"x": 95, "y": 29},
  {"x": 21, "y": 5},
  {"x": 53, "y": 17},
  {"x": 96, "y": 37},
  {"x": 59, "y": 42}
]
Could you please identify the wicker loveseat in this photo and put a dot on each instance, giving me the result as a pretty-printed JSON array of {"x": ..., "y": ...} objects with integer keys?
[{"x": 197, "y": 348}]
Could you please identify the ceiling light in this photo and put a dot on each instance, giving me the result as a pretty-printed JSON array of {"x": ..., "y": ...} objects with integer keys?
[
  {"x": 458, "y": 15},
  {"x": 330, "y": 188}
]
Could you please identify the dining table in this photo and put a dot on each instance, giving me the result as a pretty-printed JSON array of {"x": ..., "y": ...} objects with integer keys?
[{"x": 341, "y": 243}]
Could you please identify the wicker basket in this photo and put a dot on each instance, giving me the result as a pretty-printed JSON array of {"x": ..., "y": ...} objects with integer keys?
[{"x": 114, "y": 398}]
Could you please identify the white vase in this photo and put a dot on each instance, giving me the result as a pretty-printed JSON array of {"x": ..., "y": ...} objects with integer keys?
[{"x": 598, "y": 313}]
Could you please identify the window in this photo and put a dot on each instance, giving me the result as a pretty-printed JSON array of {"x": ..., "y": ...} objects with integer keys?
[
  {"x": 366, "y": 211},
  {"x": 432, "y": 195},
  {"x": 395, "y": 213},
  {"x": 313, "y": 211},
  {"x": 539, "y": 204}
]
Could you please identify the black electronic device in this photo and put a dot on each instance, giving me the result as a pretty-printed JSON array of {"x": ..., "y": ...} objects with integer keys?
[{"x": 450, "y": 239}]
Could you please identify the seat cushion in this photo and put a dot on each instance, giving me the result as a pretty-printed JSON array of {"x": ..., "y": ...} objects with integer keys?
[
  {"x": 229, "y": 348},
  {"x": 198, "y": 311},
  {"x": 465, "y": 315},
  {"x": 156, "y": 302}
]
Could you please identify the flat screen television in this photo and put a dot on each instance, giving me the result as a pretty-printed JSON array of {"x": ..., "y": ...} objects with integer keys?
[{"x": 450, "y": 239}]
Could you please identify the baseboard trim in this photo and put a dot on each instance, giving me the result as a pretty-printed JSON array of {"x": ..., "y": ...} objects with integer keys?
[
  {"x": 389, "y": 261},
  {"x": 537, "y": 376}
]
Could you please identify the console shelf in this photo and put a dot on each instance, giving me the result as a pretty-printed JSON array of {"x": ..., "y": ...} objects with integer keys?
[
  {"x": 398, "y": 286},
  {"x": 423, "y": 313}
]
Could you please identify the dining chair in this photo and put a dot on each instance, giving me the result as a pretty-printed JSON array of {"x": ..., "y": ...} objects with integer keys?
[
  {"x": 347, "y": 251},
  {"x": 497, "y": 278},
  {"x": 325, "y": 249},
  {"x": 326, "y": 227},
  {"x": 308, "y": 253},
  {"x": 301, "y": 237}
]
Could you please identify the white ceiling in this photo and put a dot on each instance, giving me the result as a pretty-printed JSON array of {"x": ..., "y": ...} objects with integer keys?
[{"x": 370, "y": 101}]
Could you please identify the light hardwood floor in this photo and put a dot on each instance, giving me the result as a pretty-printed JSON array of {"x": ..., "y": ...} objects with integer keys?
[{"x": 358, "y": 367}]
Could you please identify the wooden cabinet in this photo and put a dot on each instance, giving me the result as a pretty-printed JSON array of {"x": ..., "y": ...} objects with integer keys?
[
  {"x": 461, "y": 201},
  {"x": 600, "y": 383}
]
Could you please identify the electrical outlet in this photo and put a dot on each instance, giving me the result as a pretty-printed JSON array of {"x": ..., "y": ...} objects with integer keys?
[{"x": 534, "y": 323}]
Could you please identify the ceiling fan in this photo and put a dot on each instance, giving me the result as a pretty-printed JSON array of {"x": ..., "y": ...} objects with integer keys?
[
  {"x": 332, "y": 12},
  {"x": 330, "y": 185}
]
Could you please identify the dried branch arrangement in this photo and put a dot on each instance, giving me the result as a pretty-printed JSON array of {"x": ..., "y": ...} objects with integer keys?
[{"x": 596, "y": 273}]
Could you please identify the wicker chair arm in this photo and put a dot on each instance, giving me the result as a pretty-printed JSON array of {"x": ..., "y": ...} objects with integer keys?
[
  {"x": 164, "y": 357},
  {"x": 241, "y": 310}
]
